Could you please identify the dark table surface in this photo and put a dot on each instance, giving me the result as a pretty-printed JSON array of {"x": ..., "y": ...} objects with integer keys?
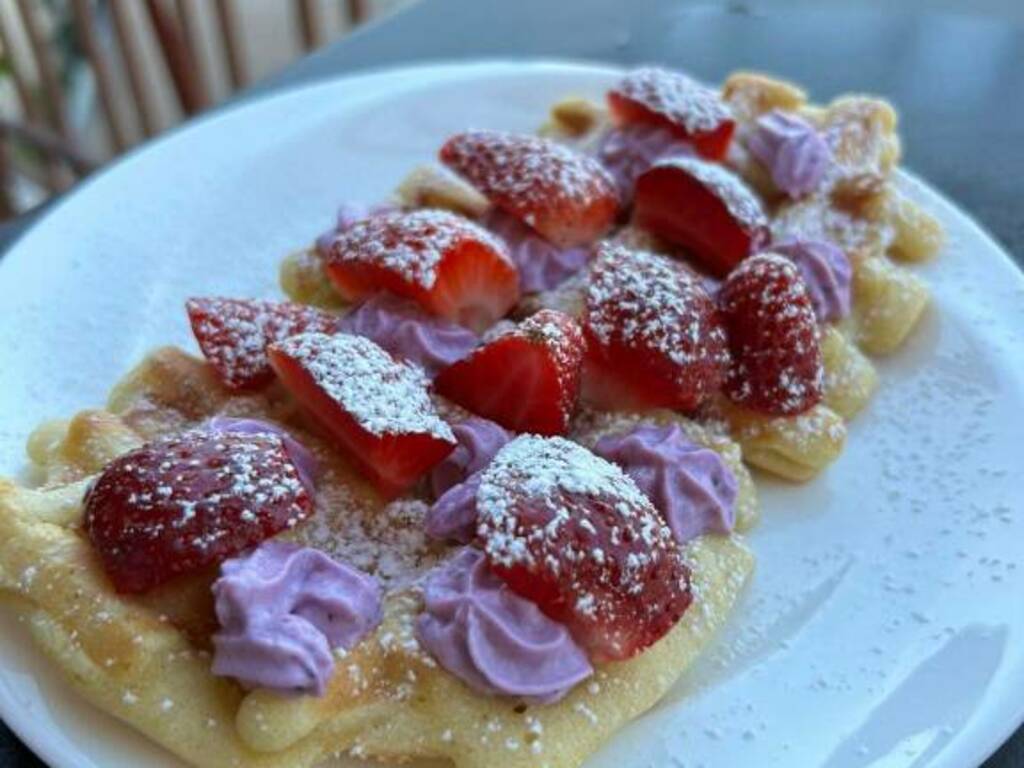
[{"x": 958, "y": 81}]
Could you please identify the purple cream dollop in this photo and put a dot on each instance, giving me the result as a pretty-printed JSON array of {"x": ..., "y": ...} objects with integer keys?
[
  {"x": 305, "y": 462},
  {"x": 406, "y": 331},
  {"x": 542, "y": 266},
  {"x": 826, "y": 272},
  {"x": 479, "y": 440},
  {"x": 795, "y": 154},
  {"x": 690, "y": 485},
  {"x": 453, "y": 516},
  {"x": 491, "y": 638},
  {"x": 283, "y": 610},
  {"x": 629, "y": 150}
]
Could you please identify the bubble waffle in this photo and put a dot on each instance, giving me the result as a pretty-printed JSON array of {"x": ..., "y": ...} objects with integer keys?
[{"x": 146, "y": 658}]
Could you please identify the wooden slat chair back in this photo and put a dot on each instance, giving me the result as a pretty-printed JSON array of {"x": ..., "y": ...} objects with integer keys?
[{"x": 107, "y": 33}]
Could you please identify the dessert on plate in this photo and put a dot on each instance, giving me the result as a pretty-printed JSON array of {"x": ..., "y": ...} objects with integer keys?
[{"x": 477, "y": 489}]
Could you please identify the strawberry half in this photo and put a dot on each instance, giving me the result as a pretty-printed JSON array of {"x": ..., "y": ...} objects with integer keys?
[
  {"x": 773, "y": 335},
  {"x": 693, "y": 111},
  {"x": 181, "y": 503},
  {"x": 452, "y": 267},
  {"x": 571, "y": 532},
  {"x": 702, "y": 207},
  {"x": 567, "y": 197},
  {"x": 234, "y": 334},
  {"x": 377, "y": 409},
  {"x": 654, "y": 337},
  {"x": 527, "y": 378}
]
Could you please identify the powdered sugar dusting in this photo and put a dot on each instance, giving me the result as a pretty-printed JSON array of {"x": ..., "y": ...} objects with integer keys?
[
  {"x": 741, "y": 203},
  {"x": 411, "y": 244},
  {"x": 388, "y": 542},
  {"x": 676, "y": 97},
  {"x": 385, "y": 397}
]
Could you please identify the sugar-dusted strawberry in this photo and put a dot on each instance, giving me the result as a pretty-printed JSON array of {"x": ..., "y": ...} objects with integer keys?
[
  {"x": 571, "y": 532},
  {"x": 526, "y": 378},
  {"x": 377, "y": 409},
  {"x": 703, "y": 207},
  {"x": 452, "y": 267},
  {"x": 773, "y": 336},
  {"x": 185, "y": 502},
  {"x": 661, "y": 97},
  {"x": 567, "y": 197},
  {"x": 234, "y": 334},
  {"x": 654, "y": 337}
]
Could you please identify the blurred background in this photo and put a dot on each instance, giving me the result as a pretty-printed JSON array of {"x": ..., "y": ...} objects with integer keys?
[{"x": 81, "y": 81}]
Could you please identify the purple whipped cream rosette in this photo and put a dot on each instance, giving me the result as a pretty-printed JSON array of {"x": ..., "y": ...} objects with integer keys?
[
  {"x": 826, "y": 272},
  {"x": 629, "y": 150},
  {"x": 691, "y": 486},
  {"x": 542, "y": 266},
  {"x": 794, "y": 152},
  {"x": 479, "y": 441},
  {"x": 305, "y": 463},
  {"x": 453, "y": 516},
  {"x": 492, "y": 639},
  {"x": 283, "y": 610},
  {"x": 406, "y": 331}
]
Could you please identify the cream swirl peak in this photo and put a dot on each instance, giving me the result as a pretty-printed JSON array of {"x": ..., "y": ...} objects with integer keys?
[
  {"x": 494, "y": 640},
  {"x": 795, "y": 154},
  {"x": 405, "y": 330},
  {"x": 690, "y": 485},
  {"x": 827, "y": 273},
  {"x": 283, "y": 611}
]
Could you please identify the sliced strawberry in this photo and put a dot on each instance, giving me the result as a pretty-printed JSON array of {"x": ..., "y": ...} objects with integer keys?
[
  {"x": 449, "y": 265},
  {"x": 660, "y": 97},
  {"x": 378, "y": 410},
  {"x": 567, "y": 197},
  {"x": 571, "y": 532},
  {"x": 526, "y": 378},
  {"x": 234, "y": 334},
  {"x": 702, "y": 207},
  {"x": 186, "y": 502},
  {"x": 773, "y": 336},
  {"x": 654, "y": 337}
]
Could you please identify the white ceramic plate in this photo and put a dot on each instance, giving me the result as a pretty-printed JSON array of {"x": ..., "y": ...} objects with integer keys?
[{"x": 884, "y": 627}]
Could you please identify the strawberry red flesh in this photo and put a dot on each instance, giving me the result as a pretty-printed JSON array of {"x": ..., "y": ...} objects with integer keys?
[
  {"x": 654, "y": 336},
  {"x": 702, "y": 207},
  {"x": 773, "y": 335},
  {"x": 378, "y": 410},
  {"x": 182, "y": 503},
  {"x": 233, "y": 334},
  {"x": 565, "y": 196},
  {"x": 572, "y": 533},
  {"x": 452, "y": 267},
  {"x": 527, "y": 379},
  {"x": 692, "y": 110}
]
